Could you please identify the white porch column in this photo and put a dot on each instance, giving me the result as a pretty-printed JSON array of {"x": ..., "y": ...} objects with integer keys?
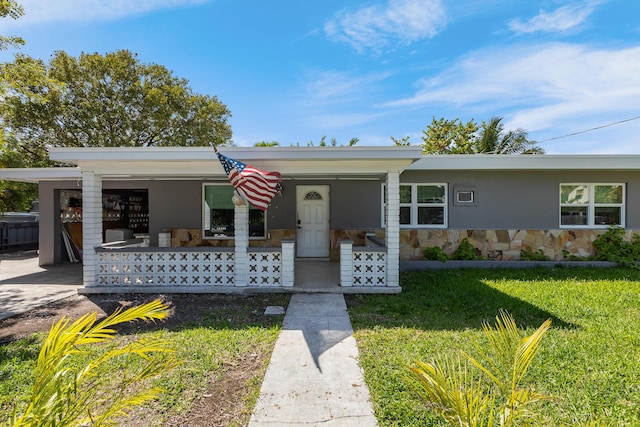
[
  {"x": 91, "y": 225},
  {"x": 241, "y": 224},
  {"x": 288, "y": 263},
  {"x": 393, "y": 229},
  {"x": 346, "y": 262}
]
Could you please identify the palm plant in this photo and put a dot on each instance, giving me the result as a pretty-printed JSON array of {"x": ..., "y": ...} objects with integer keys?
[
  {"x": 66, "y": 392},
  {"x": 267, "y": 144},
  {"x": 494, "y": 140},
  {"x": 470, "y": 400}
]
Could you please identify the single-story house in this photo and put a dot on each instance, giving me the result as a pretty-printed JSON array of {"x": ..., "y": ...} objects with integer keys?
[{"x": 162, "y": 219}]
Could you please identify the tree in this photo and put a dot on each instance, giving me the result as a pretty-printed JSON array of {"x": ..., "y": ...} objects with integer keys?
[
  {"x": 109, "y": 100},
  {"x": 10, "y": 9},
  {"x": 333, "y": 143},
  {"x": 493, "y": 139},
  {"x": 449, "y": 137},
  {"x": 455, "y": 137},
  {"x": 14, "y": 196},
  {"x": 401, "y": 142},
  {"x": 267, "y": 144}
]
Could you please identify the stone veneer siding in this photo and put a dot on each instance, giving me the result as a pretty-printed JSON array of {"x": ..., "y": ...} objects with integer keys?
[
  {"x": 189, "y": 237},
  {"x": 502, "y": 244},
  {"x": 192, "y": 237},
  {"x": 498, "y": 245}
]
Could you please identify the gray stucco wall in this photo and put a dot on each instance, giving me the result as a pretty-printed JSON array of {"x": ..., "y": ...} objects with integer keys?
[
  {"x": 353, "y": 204},
  {"x": 356, "y": 205},
  {"x": 178, "y": 204},
  {"x": 50, "y": 249},
  {"x": 282, "y": 212},
  {"x": 521, "y": 199},
  {"x": 172, "y": 204},
  {"x": 504, "y": 200}
]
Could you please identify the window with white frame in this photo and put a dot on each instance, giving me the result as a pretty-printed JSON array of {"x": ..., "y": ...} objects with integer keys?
[
  {"x": 592, "y": 205},
  {"x": 421, "y": 205},
  {"x": 218, "y": 213}
]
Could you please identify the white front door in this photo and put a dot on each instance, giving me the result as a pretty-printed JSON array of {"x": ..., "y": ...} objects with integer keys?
[{"x": 312, "y": 236}]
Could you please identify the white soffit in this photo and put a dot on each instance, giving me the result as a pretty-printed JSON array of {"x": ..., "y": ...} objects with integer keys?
[
  {"x": 527, "y": 162},
  {"x": 40, "y": 174}
]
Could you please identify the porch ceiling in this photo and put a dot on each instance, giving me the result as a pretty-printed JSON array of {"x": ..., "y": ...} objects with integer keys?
[{"x": 201, "y": 162}]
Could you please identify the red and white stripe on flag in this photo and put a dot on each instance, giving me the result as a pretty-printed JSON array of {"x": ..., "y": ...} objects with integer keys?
[{"x": 254, "y": 185}]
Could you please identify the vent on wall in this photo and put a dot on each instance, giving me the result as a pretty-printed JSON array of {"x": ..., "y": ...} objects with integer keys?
[{"x": 465, "y": 197}]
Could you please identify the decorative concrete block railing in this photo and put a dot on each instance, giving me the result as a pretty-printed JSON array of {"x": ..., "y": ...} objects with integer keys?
[
  {"x": 165, "y": 267},
  {"x": 362, "y": 266},
  {"x": 265, "y": 267},
  {"x": 139, "y": 267}
]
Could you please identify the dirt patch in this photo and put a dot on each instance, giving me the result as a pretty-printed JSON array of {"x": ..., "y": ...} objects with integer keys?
[
  {"x": 224, "y": 400},
  {"x": 40, "y": 319},
  {"x": 219, "y": 406}
]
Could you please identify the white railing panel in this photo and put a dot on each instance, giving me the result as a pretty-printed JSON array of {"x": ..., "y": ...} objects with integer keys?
[
  {"x": 265, "y": 268},
  {"x": 164, "y": 267},
  {"x": 369, "y": 266}
]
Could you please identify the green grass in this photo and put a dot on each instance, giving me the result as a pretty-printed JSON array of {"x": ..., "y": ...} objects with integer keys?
[
  {"x": 590, "y": 360},
  {"x": 225, "y": 339}
]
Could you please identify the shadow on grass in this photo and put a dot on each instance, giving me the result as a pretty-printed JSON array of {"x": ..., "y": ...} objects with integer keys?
[{"x": 458, "y": 299}]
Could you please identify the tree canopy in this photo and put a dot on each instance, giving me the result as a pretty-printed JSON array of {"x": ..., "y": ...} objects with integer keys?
[
  {"x": 493, "y": 139},
  {"x": 95, "y": 100},
  {"x": 444, "y": 136},
  {"x": 449, "y": 137},
  {"x": 10, "y": 9}
]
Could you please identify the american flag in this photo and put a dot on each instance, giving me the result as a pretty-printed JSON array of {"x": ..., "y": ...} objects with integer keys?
[{"x": 254, "y": 185}]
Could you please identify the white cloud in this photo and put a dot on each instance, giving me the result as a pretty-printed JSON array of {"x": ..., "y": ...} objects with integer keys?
[
  {"x": 560, "y": 20},
  {"x": 554, "y": 87},
  {"x": 335, "y": 87},
  {"x": 341, "y": 121},
  {"x": 39, "y": 11},
  {"x": 377, "y": 27}
]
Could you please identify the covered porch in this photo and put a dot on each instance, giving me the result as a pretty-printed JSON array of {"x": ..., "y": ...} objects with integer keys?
[{"x": 242, "y": 263}]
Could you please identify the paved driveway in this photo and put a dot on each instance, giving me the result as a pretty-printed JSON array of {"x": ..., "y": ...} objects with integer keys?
[{"x": 24, "y": 285}]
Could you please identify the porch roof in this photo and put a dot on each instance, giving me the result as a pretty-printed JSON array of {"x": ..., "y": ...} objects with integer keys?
[
  {"x": 201, "y": 162},
  {"x": 36, "y": 175}
]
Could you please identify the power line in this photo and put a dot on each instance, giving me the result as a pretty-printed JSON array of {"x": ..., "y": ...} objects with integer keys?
[{"x": 589, "y": 130}]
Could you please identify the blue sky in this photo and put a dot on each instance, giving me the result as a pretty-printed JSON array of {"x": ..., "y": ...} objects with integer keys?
[{"x": 293, "y": 71}]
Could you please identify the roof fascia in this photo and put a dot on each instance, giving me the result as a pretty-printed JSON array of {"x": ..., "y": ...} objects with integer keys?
[
  {"x": 245, "y": 154},
  {"x": 527, "y": 162},
  {"x": 213, "y": 168},
  {"x": 40, "y": 174}
]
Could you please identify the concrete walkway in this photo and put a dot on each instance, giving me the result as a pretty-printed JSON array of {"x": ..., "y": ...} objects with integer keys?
[
  {"x": 24, "y": 285},
  {"x": 313, "y": 378}
]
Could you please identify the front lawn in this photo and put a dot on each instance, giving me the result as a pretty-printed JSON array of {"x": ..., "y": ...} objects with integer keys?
[
  {"x": 590, "y": 360},
  {"x": 223, "y": 341}
]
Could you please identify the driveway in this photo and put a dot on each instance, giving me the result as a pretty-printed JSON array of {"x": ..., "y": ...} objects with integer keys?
[{"x": 24, "y": 285}]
